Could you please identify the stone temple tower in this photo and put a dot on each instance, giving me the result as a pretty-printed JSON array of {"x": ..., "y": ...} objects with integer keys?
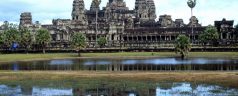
[
  {"x": 78, "y": 13},
  {"x": 25, "y": 19},
  {"x": 93, "y": 7},
  {"x": 141, "y": 10},
  {"x": 78, "y": 10},
  {"x": 152, "y": 9},
  {"x": 145, "y": 10}
]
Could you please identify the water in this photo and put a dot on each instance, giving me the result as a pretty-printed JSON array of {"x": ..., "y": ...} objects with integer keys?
[
  {"x": 162, "y": 89},
  {"x": 148, "y": 64}
]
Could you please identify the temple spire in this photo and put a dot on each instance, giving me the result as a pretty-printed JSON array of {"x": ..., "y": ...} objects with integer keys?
[
  {"x": 141, "y": 9},
  {"x": 152, "y": 9},
  {"x": 94, "y": 7},
  {"x": 79, "y": 19},
  {"x": 78, "y": 10},
  {"x": 145, "y": 10}
]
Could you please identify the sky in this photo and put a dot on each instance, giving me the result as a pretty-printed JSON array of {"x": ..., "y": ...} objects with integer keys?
[{"x": 207, "y": 11}]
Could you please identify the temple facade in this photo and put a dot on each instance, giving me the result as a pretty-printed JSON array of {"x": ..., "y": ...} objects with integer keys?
[{"x": 125, "y": 28}]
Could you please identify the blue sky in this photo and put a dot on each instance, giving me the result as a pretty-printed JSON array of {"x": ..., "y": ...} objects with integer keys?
[{"x": 207, "y": 11}]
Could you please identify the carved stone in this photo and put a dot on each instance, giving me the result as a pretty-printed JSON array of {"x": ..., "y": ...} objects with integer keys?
[
  {"x": 193, "y": 21},
  {"x": 26, "y": 19},
  {"x": 120, "y": 25},
  {"x": 166, "y": 21}
]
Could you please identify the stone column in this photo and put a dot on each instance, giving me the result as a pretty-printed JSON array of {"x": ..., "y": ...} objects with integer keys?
[
  {"x": 146, "y": 38},
  {"x": 221, "y": 35},
  {"x": 160, "y": 38}
]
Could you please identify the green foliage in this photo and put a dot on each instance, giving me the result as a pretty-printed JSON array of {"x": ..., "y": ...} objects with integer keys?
[
  {"x": 1, "y": 39},
  {"x": 8, "y": 26},
  {"x": 209, "y": 35},
  {"x": 43, "y": 37},
  {"x": 191, "y": 3},
  {"x": 10, "y": 36},
  {"x": 78, "y": 41},
  {"x": 182, "y": 46},
  {"x": 102, "y": 41},
  {"x": 26, "y": 39}
]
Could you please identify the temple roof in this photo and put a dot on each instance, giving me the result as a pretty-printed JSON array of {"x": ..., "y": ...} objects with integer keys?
[{"x": 224, "y": 21}]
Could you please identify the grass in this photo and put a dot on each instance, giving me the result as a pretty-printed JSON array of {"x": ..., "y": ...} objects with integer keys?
[
  {"x": 92, "y": 78},
  {"x": 28, "y": 57}
]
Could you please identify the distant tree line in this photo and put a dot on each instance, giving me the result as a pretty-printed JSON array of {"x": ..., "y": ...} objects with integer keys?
[{"x": 12, "y": 38}]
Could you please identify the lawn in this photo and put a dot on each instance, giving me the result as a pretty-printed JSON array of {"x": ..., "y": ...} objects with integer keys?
[
  {"x": 28, "y": 57},
  {"x": 226, "y": 79}
]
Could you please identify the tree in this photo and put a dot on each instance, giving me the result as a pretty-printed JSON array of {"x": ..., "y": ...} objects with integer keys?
[
  {"x": 26, "y": 39},
  {"x": 43, "y": 37},
  {"x": 102, "y": 41},
  {"x": 78, "y": 41},
  {"x": 1, "y": 40},
  {"x": 182, "y": 46},
  {"x": 6, "y": 25},
  {"x": 10, "y": 36},
  {"x": 97, "y": 3},
  {"x": 209, "y": 35}
]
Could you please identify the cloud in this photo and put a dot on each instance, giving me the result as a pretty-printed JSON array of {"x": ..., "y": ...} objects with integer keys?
[{"x": 207, "y": 11}]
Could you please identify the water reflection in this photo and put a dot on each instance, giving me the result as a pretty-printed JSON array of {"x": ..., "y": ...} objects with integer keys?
[
  {"x": 37, "y": 91},
  {"x": 163, "y": 89},
  {"x": 187, "y": 89},
  {"x": 61, "y": 62},
  {"x": 125, "y": 64}
]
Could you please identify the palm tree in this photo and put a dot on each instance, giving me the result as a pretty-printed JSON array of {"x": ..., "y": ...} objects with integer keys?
[
  {"x": 97, "y": 3},
  {"x": 78, "y": 41},
  {"x": 192, "y": 4},
  {"x": 43, "y": 37},
  {"x": 182, "y": 46}
]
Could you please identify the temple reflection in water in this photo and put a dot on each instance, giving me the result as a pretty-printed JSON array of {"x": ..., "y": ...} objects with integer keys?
[
  {"x": 152, "y": 64},
  {"x": 162, "y": 89}
]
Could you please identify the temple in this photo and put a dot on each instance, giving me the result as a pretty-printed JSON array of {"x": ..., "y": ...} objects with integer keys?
[{"x": 126, "y": 28}]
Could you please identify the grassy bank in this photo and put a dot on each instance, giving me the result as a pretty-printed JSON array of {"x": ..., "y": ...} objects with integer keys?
[
  {"x": 226, "y": 79},
  {"x": 27, "y": 57}
]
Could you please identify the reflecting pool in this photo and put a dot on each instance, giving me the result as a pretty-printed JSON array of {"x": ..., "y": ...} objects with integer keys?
[{"x": 148, "y": 64}]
